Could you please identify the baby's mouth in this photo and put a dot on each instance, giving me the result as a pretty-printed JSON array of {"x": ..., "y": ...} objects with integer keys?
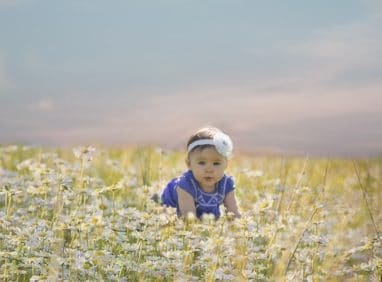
[{"x": 208, "y": 178}]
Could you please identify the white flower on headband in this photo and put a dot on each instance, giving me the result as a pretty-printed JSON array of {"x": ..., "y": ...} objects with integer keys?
[
  {"x": 223, "y": 144},
  {"x": 221, "y": 141}
]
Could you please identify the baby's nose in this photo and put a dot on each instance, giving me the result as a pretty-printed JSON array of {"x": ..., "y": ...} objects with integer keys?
[{"x": 209, "y": 168}]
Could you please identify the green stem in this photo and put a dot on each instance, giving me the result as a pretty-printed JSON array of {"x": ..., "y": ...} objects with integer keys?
[
  {"x": 365, "y": 198},
  {"x": 299, "y": 240}
]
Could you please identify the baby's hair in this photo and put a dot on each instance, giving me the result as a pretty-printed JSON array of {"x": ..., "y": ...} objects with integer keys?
[{"x": 207, "y": 132}]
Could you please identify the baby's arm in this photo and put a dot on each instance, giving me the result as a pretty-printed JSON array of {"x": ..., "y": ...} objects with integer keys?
[
  {"x": 185, "y": 202},
  {"x": 231, "y": 204}
]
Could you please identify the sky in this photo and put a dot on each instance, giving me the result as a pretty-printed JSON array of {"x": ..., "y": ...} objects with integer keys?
[{"x": 286, "y": 77}]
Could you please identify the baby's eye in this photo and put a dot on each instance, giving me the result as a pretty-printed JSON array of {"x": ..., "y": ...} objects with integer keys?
[
  {"x": 202, "y": 163},
  {"x": 216, "y": 163}
]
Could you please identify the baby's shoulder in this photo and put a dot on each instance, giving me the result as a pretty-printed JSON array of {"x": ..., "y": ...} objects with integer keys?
[
  {"x": 229, "y": 179},
  {"x": 184, "y": 179},
  {"x": 227, "y": 184}
]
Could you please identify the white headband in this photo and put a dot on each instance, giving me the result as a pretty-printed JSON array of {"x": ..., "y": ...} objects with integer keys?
[{"x": 221, "y": 141}]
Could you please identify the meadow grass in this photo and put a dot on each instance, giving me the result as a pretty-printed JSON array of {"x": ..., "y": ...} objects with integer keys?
[{"x": 88, "y": 214}]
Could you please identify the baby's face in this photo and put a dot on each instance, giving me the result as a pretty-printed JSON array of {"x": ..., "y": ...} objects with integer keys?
[{"x": 207, "y": 166}]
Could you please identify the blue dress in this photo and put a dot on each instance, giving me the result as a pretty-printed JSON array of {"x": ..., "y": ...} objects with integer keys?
[{"x": 204, "y": 202}]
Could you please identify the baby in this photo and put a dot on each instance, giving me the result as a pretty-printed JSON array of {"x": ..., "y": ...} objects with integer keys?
[{"x": 204, "y": 186}]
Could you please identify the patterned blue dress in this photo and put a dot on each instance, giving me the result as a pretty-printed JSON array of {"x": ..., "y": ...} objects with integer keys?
[{"x": 205, "y": 203}]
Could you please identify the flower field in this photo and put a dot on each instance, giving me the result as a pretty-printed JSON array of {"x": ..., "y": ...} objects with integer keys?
[{"x": 89, "y": 214}]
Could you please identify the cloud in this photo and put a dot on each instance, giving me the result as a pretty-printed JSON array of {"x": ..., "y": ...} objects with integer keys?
[
  {"x": 344, "y": 55},
  {"x": 44, "y": 105},
  {"x": 286, "y": 121},
  {"x": 240, "y": 105}
]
